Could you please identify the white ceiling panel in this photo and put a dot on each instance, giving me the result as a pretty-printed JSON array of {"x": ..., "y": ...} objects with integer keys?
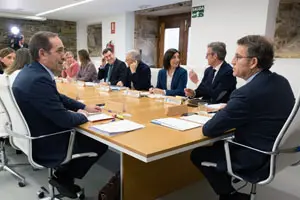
[{"x": 88, "y": 11}]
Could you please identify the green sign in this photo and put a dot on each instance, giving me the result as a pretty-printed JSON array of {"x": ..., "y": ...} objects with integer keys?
[{"x": 198, "y": 11}]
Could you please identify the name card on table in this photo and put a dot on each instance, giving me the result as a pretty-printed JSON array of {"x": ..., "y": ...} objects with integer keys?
[
  {"x": 133, "y": 93},
  {"x": 176, "y": 110},
  {"x": 104, "y": 88},
  {"x": 113, "y": 106},
  {"x": 173, "y": 100}
]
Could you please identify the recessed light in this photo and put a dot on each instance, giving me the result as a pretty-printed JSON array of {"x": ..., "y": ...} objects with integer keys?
[{"x": 63, "y": 7}]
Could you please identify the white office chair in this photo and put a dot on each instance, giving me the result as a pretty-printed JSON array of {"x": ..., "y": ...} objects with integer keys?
[
  {"x": 21, "y": 138},
  {"x": 285, "y": 151},
  {"x": 3, "y": 138}
]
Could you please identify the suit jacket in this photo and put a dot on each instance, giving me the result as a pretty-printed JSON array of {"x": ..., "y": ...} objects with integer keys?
[
  {"x": 119, "y": 72},
  {"x": 46, "y": 111},
  {"x": 257, "y": 110},
  {"x": 178, "y": 83},
  {"x": 220, "y": 89},
  {"x": 141, "y": 79}
]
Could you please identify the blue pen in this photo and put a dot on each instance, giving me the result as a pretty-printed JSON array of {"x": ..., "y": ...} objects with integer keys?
[{"x": 156, "y": 122}]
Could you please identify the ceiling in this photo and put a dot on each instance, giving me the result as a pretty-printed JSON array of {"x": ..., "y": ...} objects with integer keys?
[{"x": 89, "y": 11}]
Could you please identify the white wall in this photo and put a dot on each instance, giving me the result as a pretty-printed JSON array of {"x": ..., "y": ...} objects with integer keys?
[
  {"x": 123, "y": 39},
  {"x": 227, "y": 22},
  {"x": 289, "y": 68},
  {"x": 81, "y": 35}
]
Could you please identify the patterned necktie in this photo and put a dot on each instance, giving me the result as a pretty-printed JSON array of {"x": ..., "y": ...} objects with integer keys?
[{"x": 109, "y": 73}]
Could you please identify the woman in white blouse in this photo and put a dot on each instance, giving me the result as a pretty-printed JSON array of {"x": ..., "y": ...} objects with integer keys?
[{"x": 172, "y": 79}]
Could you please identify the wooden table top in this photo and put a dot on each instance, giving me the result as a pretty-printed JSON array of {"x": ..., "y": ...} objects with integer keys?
[{"x": 147, "y": 142}]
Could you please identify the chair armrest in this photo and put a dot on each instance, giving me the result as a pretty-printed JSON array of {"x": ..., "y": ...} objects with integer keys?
[
  {"x": 71, "y": 140},
  {"x": 18, "y": 135},
  {"x": 228, "y": 157},
  {"x": 248, "y": 147}
]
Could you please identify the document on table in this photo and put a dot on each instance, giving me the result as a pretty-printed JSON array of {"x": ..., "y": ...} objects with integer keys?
[
  {"x": 116, "y": 127},
  {"x": 175, "y": 123},
  {"x": 90, "y": 84},
  {"x": 99, "y": 117},
  {"x": 117, "y": 88},
  {"x": 215, "y": 106},
  {"x": 196, "y": 118}
]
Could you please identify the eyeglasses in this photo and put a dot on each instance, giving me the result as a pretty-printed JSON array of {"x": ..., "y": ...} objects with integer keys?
[
  {"x": 238, "y": 57},
  {"x": 207, "y": 54}
]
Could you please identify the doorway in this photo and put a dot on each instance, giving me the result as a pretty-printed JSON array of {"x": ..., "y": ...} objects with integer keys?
[{"x": 174, "y": 33}]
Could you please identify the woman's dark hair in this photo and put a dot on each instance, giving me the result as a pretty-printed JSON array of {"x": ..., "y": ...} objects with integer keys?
[
  {"x": 84, "y": 56},
  {"x": 23, "y": 58},
  {"x": 168, "y": 56}
]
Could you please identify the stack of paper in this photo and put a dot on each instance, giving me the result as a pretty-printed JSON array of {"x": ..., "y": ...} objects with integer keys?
[
  {"x": 116, "y": 127},
  {"x": 215, "y": 106},
  {"x": 175, "y": 123},
  {"x": 99, "y": 117},
  {"x": 196, "y": 118},
  {"x": 90, "y": 84}
]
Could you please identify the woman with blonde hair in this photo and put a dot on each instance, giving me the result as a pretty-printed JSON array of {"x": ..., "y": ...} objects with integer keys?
[
  {"x": 7, "y": 57},
  {"x": 70, "y": 66}
]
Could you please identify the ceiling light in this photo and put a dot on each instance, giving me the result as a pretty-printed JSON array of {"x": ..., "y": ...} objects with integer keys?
[
  {"x": 15, "y": 30},
  {"x": 20, "y": 16},
  {"x": 63, "y": 7}
]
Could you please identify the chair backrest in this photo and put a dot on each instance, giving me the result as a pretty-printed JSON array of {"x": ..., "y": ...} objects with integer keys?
[
  {"x": 154, "y": 74},
  {"x": 18, "y": 123},
  {"x": 288, "y": 139},
  {"x": 3, "y": 120}
]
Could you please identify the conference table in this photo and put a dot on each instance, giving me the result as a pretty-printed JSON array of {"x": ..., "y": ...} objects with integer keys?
[{"x": 155, "y": 160}]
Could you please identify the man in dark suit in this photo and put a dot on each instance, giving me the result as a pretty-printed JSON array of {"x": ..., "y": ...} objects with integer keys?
[
  {"x": 139, "y": 74},
  {"x": 218, "y": 81},
  {"x": 257, "y": 110},
  {"x": 115, "y": 71},
  {"x": 47, "y": 111}
]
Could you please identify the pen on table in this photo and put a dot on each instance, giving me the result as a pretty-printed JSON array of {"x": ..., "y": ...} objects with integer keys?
[{"x": 120, "y": 116}]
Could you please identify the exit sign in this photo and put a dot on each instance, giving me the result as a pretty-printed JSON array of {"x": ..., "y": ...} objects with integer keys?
[{"x": 198, "y": 11}]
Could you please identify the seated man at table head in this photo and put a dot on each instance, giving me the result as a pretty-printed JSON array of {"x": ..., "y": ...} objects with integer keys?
[
  {"x": 46, "y": 111},
  {"x": 139, "y": 74},
  {"x": 257, "y": 110},
  {"x": 218, "y": 81},
  {"x": 115, "y": 71},
  {"x": 172, "y": 79},
  {"x": 87, "y": 71}
]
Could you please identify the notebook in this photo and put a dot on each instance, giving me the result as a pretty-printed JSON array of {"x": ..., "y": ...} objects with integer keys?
[
  {"x": 116, "y": 127},
  {"x": 174, "y": 123},
  {"x": 99, "y": 117},
  {"x": 196, "y": 118}
]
